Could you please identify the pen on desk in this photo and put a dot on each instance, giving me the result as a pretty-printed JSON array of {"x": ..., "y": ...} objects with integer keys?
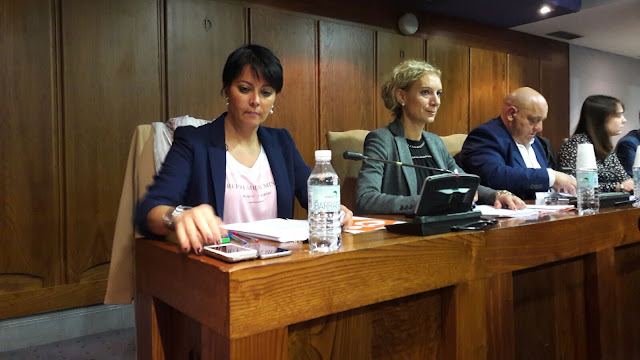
[
  {"x": 624, "y": 202},
  {"x": 234, "y": 237},
  {"x": 245, "y": 237}
]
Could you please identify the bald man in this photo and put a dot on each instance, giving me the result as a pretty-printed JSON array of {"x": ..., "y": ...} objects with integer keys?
[{"x": 506, "y": 153}]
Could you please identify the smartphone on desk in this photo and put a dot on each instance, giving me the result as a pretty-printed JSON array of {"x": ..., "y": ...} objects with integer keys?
[
  {"x": 268, "y": 251},
  {"x": 230, "y": 252}
]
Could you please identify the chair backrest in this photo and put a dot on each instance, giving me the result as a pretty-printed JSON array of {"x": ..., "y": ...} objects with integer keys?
[
  {"x": 347, "y": 170},
  {"x": 454, "y": 142}
]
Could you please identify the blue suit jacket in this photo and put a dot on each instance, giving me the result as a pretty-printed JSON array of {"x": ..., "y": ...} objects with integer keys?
[
  {"x": 194, "y": 171},
  {"x": 626, "y": 150},
  {"x": 491, "y": 153}
]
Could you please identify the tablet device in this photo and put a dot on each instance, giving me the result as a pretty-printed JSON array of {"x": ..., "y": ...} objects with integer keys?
[{"x": 447, "y": 194}]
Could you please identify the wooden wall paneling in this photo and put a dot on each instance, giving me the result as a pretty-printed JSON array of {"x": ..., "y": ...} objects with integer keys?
[
  {"x": 523, "y": 71},
  {"x": 347, "y": 85},
  {"x": 111, "y": 78},
  {"x": 391, "y": 50},
  {"x": 554, "y": 86},
  {"x": 29, "y": 165},
  {"x": 487, "y": 85},
  {"x": 200, "y": 36},
  {"x": 453, "y": 60},
  {"x": 294, "y": 40}
]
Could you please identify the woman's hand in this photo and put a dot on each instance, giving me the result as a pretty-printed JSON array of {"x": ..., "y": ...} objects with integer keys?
[
  {"x": 507, "y": 200},
  {"x": 627, "y": 185},
  {"x": 197, "y": 227},
  {"x": 348, "y": 216}
]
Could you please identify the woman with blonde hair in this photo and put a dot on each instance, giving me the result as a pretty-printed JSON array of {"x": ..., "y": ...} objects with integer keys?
[{"x": 412, "y": 93}]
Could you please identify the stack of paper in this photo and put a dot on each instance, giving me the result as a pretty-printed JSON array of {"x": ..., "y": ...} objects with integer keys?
[{"x": 282, "y": 230}]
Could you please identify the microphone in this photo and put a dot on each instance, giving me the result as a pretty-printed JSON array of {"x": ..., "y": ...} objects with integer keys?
[{"x": 352, "y": 155}]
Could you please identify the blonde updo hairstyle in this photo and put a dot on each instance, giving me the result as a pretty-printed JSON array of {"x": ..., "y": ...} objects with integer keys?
[{"x": 402, "y": 77}]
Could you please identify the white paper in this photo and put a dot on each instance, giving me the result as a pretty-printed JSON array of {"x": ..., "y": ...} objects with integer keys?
[
  {"x": 282, "y": 230},
  {"x": 491, "y": 211}
]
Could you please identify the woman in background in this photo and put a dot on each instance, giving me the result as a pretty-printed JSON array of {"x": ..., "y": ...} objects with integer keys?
[
  {"x": 601, "y": 118},
  {"x": 233, "y": 169},
  {"x": 412, "y": 93}
]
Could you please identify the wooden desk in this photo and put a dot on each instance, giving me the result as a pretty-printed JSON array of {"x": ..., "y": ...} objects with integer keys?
[{"x": 559, "y": 287}]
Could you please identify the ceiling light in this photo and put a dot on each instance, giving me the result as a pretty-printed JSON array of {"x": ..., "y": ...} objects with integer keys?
[{"x": 545, "y": 9}]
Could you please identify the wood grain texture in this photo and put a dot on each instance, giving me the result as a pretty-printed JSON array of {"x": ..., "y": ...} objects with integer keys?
[
  {"x": 601, "y": 303},
  {"x": 453, "y": 60},
  {"x": 200, "y": 36},
  {"x": 347, "y": 73},
  {"x": 29, "y": 165},
  {"x": 111, "y": 85},
  {"x": 391, "y": 50},
  {"x": 627, "y": 269},
  {"x": 466, "y": 321},
  {"x": 554, "y": 86},
  {"x": 523, "y": 71},
  {"x": 51, "y": 298},
  {"x": 294, "y": 40},
  {"x": 406, "y": 328},
  {"x": 487, "y": 85}
]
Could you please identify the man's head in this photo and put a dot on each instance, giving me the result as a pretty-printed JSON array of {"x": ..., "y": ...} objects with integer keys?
[{"x": 523, "y": 112}]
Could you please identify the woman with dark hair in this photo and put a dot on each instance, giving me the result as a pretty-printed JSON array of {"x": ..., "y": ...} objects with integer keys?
[
  {"x": 601, "y": 118},
  {"x": 412, "y": 93},
  {"x": 233, "y": 169}
]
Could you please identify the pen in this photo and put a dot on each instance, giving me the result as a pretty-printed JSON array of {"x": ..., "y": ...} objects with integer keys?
[
  {"x": 234, "y": 237},
  {"x": 245, "y": 237},
  {"x": 224, "y": 239}
]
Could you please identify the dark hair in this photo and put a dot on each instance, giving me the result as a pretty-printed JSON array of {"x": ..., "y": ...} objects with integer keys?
[
  {"x": 263, "y": 62},
  {"x": 593, "y": 118}
]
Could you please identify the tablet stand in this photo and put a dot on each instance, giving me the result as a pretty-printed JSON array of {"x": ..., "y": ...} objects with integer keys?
[{"x": 436, "y": 224}]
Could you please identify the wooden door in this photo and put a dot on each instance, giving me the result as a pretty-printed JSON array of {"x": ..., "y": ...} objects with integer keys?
[
  {"x": 111, "y": 76},
  {"x": 391, "y": 50},
  {"x": 347, "y": 86},
  {"x": 487, "y": 85},
  {"x": 29, "y": 166},
  {"x": 200, "y": 36},
  {"x": 453, "y": 60},
  {"x": 554, "y": 86}
]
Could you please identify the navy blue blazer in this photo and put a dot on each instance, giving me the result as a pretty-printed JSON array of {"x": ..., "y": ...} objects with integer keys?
[
  {"x": 491, "y": 153},
  {"x": 193, "y": 172},
  {"x": 626, "y": 150}
]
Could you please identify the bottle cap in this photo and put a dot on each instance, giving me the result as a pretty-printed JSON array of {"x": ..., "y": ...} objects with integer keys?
[
  {"x": 636, "y": 161},
  {"x": 323, "y": 155},
  {"x": 586, "y": 158}
]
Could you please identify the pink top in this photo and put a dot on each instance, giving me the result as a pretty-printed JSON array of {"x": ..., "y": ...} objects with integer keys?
[{"x": 250, "y": 193}]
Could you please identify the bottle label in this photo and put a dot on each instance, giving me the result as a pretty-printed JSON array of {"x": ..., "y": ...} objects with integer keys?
[
  {"x": 587, "y": 179},
  {"x": 324, "y": 198}
]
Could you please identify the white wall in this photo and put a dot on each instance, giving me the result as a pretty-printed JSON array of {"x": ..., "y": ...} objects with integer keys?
[{"x": 593, "y": 72}]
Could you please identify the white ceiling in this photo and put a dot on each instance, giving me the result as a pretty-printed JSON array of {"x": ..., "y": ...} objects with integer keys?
[{"x": 608, "y": 25}]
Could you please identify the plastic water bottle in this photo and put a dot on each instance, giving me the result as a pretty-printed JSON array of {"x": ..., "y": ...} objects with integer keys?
[
  {"x": 324, "y": 205},
  {"x": 588, "y": 189},
  {"x": 636, "y": 185}
]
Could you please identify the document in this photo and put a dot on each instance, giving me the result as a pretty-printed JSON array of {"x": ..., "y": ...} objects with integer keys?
[
  {"x": 530, "y": 210},
  {"x": 365, "y": 224},
  {"x": 282, "y": 230}
]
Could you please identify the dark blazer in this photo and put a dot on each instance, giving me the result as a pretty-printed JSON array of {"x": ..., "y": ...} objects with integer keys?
[
  {"x": 391, "y": 189},
  {"x": 626, "y": 150},
  {"x": 194, "y": 171},
  {"x": 491, "y": 153}
]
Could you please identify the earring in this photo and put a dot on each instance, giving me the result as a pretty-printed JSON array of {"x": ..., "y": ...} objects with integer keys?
[
  {"x": 227, "y": 101},
  {"x": 271, "y": 111},
  {"x": 402, "y": 104}
]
